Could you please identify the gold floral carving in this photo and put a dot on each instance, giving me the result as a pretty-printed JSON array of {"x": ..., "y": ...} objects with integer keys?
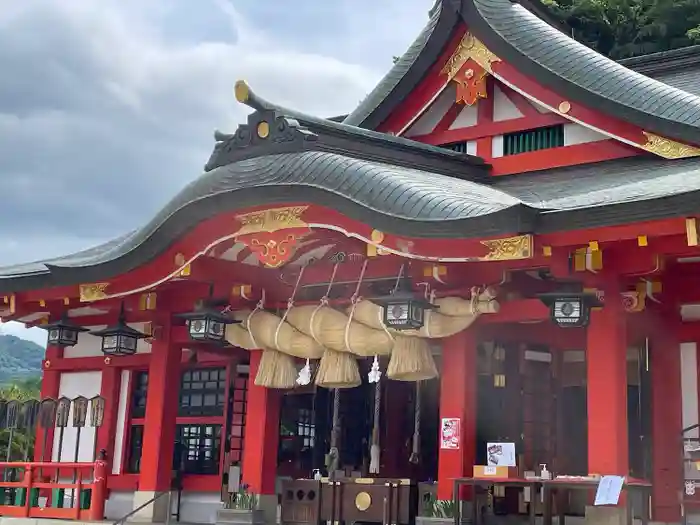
[
  {"x": 508, "y": 249},
  {"x": 469, "y": 47},
  {"x": 272, "y": 220},
  {"x": 93, "y": 292},
  {"x": 668, "y": 149},
  {"x": 633, "y": 301}
]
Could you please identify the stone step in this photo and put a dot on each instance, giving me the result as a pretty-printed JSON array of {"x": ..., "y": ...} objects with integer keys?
[{"x": 239, "y": 517}]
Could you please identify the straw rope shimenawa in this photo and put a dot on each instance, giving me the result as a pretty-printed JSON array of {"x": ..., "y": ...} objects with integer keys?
[
  {"x": 411, "y": 360},
  {"x": 338, "y": 338},
  {"x": 338, "y": 370},
  {"x": 276, "y": 370}
]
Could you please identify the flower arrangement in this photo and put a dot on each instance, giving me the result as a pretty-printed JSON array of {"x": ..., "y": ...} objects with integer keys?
[{"x": 244, "y": 500}]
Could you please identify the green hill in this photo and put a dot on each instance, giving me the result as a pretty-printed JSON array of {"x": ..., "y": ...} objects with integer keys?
[{"x": 19, "y": 359}]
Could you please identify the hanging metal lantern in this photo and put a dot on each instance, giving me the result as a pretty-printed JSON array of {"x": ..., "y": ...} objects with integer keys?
[
  {"x": 207, "y": 323},
  {"x": 119, "y": 339},
  {"x": 63, "y": 333},
  {"x": 570, "y": 309},
  {"x": 402, "y": 309}
]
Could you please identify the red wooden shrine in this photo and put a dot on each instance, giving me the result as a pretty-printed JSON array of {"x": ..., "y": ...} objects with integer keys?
[{"x": 485, "y": 161}]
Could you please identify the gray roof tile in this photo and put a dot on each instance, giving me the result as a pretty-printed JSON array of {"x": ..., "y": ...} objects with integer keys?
[{"x": 574, "y": 70}]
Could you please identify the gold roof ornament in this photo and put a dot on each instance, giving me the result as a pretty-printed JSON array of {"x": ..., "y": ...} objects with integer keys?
[
  {"x": 469, "y": 47},
  {"x": 92, "y": 292},
  {"x": 667, "y": 148}
]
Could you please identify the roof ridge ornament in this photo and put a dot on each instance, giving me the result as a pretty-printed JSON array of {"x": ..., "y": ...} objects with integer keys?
[
  {"x": 469, "y": 47},
  {"x": 267, "y": 127}
]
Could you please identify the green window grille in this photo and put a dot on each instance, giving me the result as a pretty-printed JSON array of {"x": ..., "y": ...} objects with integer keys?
[{"x": 533, "y": 140}]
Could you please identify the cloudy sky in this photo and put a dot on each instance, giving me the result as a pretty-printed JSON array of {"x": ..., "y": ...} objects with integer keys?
[{"x": 107, "y": 107}]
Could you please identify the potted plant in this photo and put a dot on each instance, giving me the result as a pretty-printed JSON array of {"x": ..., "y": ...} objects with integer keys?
[
  {"x": 242, "y": 508},
  {"x": 436, "y": 511}
]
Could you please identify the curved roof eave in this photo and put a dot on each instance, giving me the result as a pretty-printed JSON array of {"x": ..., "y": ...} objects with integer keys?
[
  {"x": 576, "y": 71},
  {"x": 395, "y": 199}
]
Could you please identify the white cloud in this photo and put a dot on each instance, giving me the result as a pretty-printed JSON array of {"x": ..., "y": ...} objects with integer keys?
[{"x": 107, "y": 108}]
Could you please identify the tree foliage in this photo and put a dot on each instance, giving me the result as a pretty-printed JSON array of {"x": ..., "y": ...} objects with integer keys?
[
  {"x": 19, "y": 442},
  {"x": 625, "y": 28},
  {"x": 19, "y": 359}
]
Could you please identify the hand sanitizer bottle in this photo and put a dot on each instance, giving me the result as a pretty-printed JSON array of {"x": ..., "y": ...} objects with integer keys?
[{"x": 544, "y": 474}]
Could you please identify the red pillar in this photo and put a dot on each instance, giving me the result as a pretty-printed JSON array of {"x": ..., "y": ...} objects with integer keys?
[
  {"x": 606, "y": 355},
  {"x": 161, "y": 413},
  {"x": 50, "y": 384},
  {"x": 99, "y": 494},
  {"x": 261, "y": 434},
  {"x": 458, "y": 400},
  {"x": 667, "y": 421},
  {"x": 109, "y": 390}
]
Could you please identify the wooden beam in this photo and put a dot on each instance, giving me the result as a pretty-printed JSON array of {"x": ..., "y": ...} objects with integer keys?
[{"x": 489, "y": 128}]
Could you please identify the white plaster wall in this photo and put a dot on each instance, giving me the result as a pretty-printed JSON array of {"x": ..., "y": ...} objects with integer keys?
[
  {"x": 466, "y": 118},
  {"x": 91, "y": 346},
  {"x": 73, "y": 384},
  {"x": 427, "y": 122},
  {"x": 497, "y": 146},
  {"x": 121, "y": 421},
  {"x": 503, "y": 108},
  {"x": 577, "y": 134}
]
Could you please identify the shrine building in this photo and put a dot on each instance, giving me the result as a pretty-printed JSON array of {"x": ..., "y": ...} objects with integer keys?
[{"x": 499, "y": 245}]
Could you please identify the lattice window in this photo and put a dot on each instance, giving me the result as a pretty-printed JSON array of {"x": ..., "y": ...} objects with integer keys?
[
  {"x": 459, "y": 147},
  {"x": 533, "y": 140},
  {"x": 305, "y": 428},
  {"x": 201, "y": 447},
  {"x": 238, "y": 417},
  {"x": 203, "y": 392}
]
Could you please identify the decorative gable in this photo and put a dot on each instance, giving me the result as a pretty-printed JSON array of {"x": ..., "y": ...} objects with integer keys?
[{"x": 482, "y": 105}]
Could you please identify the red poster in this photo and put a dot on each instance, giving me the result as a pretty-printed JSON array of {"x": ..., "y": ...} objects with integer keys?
[{"x": 449, "y": 433}]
